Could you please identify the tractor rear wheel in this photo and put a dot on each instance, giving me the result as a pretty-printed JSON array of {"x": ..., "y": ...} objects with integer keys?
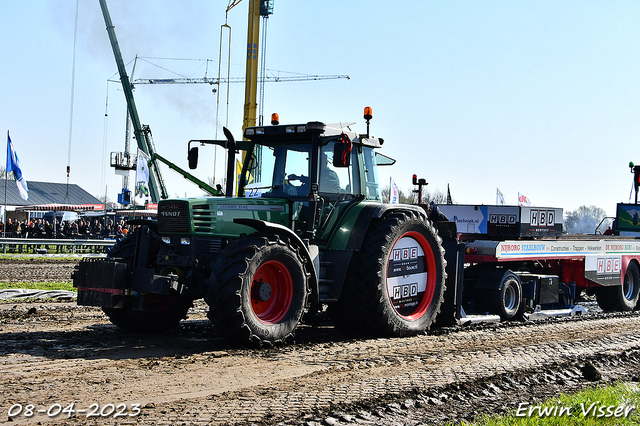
[
  {"x": 396, "y": 283},
  {"x": 258, "y": 290},
  {"x": 623, "y": 297},
  {"x": 160, "y": 313}
]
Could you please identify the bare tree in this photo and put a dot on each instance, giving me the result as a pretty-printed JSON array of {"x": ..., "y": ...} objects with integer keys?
[
  {"x": 411, "y": 197},
  {"x": 402, "y": 197},
  {"x": 585, "y": 219},
  {"x": 437, "y": 196},
  {"x": 107, "y": 202}
]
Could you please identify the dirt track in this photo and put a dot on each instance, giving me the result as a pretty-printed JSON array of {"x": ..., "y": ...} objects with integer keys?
[
  {"x": 36, "y": 268},
  {"x": 57, "y": 353}
]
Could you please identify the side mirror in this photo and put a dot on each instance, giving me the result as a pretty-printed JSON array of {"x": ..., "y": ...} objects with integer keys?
[
  {"x": 341, "y": 157},
  {"x": 193, "y": 157}
]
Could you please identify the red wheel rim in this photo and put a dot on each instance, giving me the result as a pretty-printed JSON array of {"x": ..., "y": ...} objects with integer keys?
[
  {"x": 271, "y": 292},
  {"x": 426, "y": 265}
]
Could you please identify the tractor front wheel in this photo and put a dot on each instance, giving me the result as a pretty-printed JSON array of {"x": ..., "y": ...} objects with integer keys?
[
  {"x": 258, "y": 290},
  {"x": 159, "y": 313}
]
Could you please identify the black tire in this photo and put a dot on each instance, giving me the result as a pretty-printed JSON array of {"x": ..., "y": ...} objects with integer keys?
[
  {"x": 621, "y": 298},
  {"x": 507, "y": 301},
  {"x": 258, "y": 290},
  {"x": 159, "y": 313},
  {"x": 394, "y": 297}
]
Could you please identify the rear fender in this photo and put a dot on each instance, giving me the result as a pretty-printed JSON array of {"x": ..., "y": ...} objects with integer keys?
[{"x": 350, "y": 233}]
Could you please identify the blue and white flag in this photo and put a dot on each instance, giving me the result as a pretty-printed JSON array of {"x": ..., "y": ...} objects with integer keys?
[
  {"x": 13, "y": 165},
  {"x": 395, "y": 193}
]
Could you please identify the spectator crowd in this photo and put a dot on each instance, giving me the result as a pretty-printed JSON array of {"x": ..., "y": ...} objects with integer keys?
[{"x": 95, "y": 228}]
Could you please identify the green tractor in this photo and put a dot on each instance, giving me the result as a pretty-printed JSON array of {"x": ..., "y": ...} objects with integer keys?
[{"x": 307, "y": 230}]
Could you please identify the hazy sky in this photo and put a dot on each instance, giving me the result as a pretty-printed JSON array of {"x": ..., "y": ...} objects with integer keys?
[{"x": 539, "y": 97}]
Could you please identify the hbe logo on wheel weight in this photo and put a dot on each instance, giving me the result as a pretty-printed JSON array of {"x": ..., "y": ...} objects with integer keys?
[{"x": 406, "y": 275}]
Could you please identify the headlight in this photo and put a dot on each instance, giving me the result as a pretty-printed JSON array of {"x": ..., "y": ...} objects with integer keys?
[
  {"x": 185, "y": 241},
  {"x": 166, "y": 240},
  {"x": 249, "y": 132}
]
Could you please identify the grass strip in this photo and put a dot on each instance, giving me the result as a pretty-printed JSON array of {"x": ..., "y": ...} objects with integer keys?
[{"x": 65, "y": 285}]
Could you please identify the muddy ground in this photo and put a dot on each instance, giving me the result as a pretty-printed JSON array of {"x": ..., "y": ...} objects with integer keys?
[
  {"x": 54, "y": 354},
  {"x": 36, "y": 269}
]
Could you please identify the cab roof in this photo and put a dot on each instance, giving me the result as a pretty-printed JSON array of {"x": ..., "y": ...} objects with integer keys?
[{"x": 301, "y": 133}]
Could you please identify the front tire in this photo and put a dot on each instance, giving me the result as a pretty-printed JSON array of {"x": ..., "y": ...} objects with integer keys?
[
  {"x": 396, "y": 283},
  {"x": 159, "y": 313},
  {"x": 258, "y": 290}
]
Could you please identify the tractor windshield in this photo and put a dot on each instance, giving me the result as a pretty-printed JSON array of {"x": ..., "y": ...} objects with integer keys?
[
  {"x": 284, "y": 170},
  {"x": 278, "y": 171}
]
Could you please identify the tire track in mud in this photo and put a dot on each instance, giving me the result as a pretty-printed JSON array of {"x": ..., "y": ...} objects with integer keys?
[
  {"x": 350, "y": 383},
  {"x": 58, "y": 353},
  {"x": 263, "y": 386},
  {"x": 36, "y": 269}
]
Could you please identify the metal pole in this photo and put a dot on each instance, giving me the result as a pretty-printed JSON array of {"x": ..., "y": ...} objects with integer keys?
[{"x": 4, "y": 227}]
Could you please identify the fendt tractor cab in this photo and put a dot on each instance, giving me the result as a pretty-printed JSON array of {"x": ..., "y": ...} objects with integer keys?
[{"x": 307, "y": 229}]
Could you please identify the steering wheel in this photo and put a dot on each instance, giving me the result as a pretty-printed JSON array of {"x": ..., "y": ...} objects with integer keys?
[{"x": 301, "y": 178}]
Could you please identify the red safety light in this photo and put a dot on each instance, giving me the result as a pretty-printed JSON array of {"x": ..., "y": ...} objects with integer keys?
[
  {"x": 368, "y": 113},
  {"x": 275, "y": 119},
  {"x": 471, "y": 250},
  {"x": 416, "y": 181}
]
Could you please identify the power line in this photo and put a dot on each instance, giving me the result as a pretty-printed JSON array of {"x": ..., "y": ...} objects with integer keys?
[{"x": 208, "y": 80}]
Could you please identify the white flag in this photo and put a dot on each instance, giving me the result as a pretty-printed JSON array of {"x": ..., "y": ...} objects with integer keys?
[
  {"x": 395, "y": 193},
  {"x": 523, "y": 200},
  {"x": 499, "y": 197},
  {"x": 142, "y": 177}
]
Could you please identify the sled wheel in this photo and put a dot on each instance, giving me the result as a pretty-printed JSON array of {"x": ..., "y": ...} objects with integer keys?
[
  {"x": 258, "y": 290},
  {"x": 623, "y": 297},
  {"x": 396, "y": 283},
  {"x": 508, "y": 299},
  {"x": 160, "y": 313}
]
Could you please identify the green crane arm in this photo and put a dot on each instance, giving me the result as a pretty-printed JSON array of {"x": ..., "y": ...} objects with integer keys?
[
  {"x": 185, "y": 174},
  {"x": 142, "y": 135}
]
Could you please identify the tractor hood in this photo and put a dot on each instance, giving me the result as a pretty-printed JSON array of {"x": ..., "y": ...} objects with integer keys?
[{"x": 214, "y": 216}]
